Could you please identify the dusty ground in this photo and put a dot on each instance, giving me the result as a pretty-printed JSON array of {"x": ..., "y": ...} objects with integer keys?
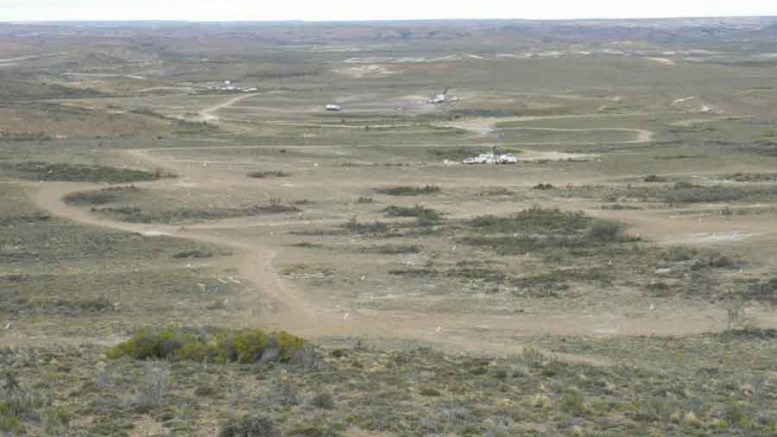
[
  {"x": 260, "y": 244},
  {"x": 141, "y": 196}
]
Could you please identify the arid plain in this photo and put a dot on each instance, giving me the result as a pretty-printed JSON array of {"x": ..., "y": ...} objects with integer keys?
[{"x": 168, "y": 184}]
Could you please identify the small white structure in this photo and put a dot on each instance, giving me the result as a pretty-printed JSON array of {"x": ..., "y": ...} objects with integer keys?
[
  {"x": 439, "y": 99},
  {"x": 334, "y": 107},
  {"x": 491, "y": 158},
  {"x": 229, "y": 87}
]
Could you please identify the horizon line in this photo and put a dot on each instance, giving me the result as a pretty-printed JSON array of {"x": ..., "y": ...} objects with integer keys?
[{"x": 372, "y": 20}]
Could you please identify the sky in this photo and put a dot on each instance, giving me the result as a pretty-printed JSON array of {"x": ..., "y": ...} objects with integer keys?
[{"x": 339, "y": 10}]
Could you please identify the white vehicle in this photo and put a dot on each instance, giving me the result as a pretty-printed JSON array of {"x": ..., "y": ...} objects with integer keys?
[
  {"x": 474, "y": 160},
  {"x": 507, "y": 159},
  {"x": 483, "y": 158},
  {"x": 334, "y": 107}
]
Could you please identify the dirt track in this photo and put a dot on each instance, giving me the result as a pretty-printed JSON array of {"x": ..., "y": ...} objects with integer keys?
[
  {"x": 484, "y": 126},
  {"x": 207, "y": 114}
]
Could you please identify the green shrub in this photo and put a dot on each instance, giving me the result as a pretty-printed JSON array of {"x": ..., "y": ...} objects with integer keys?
[
  {"x": 682, "y": 185},
  {"x": 148, "y": 343},
  {"x": 414, "y": 272},
  {"x": 654, "y": 178},
  {"x": 147, "y": 112},
  {"x": 750, "y": 332},
  {"x": 251, "y": 426},
  {"x": 751, "y": 177},
  {"x": 765, "y": 291},
  {"x": 25, "y": 136},
  {"x": 514, "y": 245},
  {"x": 192, "y": 254},
  {"x": 136, "y": 215},
  {"x": 544, "y": 286},
  {"x": 604, "y": 231},
  {"x": 680, "y": 253},
  {"x": 688, "y": 193},
  {"x": 454, "y": 154},
  {"x": 697, "y": 259},
  {"x": 737, "y": 414},
  {"x": 286, "y": 394},
  {"x": 538, "y": 229},
  {"x": 534, "y": 220},
  {"x": 409, "y": 191},
  {"x": 20, "y": 407},
  {"x": 323, "y": 401},
  {"x": 153, "y": 389},
  {"x": 499, "y": 191},
  {"x": 72, "y": 307},
  {"x": 247, "y": 347},
  {"x": 572, "y": 401},
  {"x": 244, "y": 346},
  {"x": 429, "y": 392},
  {"x": 97, "y": 305},
  {"x": 375, "y": 228},
  {"x": 475, "y": 270},
  {"x": 26, "y": 218},
  {"x": 268, "y": 174},
  {"x": 100, "y": 197},
  {"x": 391, "y": 249},
  {"x": 306, "y": 245},
  {"x": 16, "y": 407},
  {"x": 423, "y": 214}
]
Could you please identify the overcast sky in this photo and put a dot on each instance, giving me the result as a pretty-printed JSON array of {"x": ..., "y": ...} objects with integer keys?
[{"x": 326, "y": 10}]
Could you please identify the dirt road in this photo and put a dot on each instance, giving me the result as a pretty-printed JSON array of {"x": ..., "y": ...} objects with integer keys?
[
  {"x": 208, "y": 114},
  {"x": 485, "y": 126}
]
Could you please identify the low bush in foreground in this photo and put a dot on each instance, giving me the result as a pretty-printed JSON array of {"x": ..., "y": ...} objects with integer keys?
[
  {"x": 708, "y": 384},
  {"x": 21, "y": 407},
  {"x": 221, "y": 346}
]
